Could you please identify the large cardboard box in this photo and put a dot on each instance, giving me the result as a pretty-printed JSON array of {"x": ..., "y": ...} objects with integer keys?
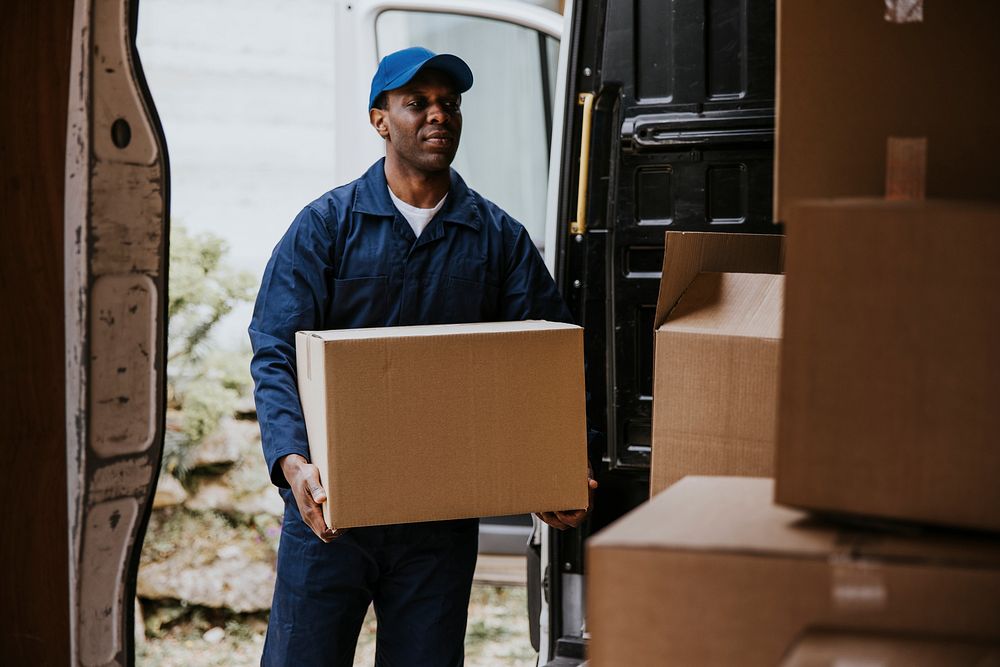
[
  {"x": 826, "y": 648},
  {"x": 712, "y": 572},
  {"x": 718, "y": 329},
  {"x": 852, "y": 73},
  {"x": 425, "y": 423},
  {"x": 890, "y": 366}
]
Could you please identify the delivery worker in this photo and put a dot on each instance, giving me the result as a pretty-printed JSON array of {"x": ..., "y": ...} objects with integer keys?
[{"x": 407, "y": 243}]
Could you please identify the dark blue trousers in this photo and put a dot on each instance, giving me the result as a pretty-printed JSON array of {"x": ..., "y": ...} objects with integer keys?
[{"x": 418, "y": 576}]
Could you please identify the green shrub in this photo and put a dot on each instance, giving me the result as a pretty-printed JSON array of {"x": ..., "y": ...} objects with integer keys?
[{"x": 204, "y": 381}]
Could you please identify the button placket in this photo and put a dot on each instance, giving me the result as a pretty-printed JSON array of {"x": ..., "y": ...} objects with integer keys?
[{"x": 403, "y": 229}]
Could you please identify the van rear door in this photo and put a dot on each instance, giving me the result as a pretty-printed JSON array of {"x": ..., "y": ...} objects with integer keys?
[{"x": 669, "y": 125}]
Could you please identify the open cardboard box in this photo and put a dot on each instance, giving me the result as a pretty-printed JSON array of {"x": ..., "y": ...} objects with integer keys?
[{"x": 718, "y": 332}]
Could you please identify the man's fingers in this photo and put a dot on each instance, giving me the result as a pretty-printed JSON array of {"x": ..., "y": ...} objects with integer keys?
[
  {"x": 571, "y": 518},
  {"x": 309, "y": 496},
  {"x": 330, "y": 535},
  {"x": 317, "y": 493},
  {"x": 323, "y": 533},
  {"x": 563, "y": 520},
  {"x": 313, "y": 517},
  {"x": 551, "y": 519},
  {"x": 592, "y": 483},
  {"x": 311, "y": 482}
]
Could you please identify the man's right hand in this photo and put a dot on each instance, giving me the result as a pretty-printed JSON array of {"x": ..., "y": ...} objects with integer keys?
[{"x": 309, "y": 494}]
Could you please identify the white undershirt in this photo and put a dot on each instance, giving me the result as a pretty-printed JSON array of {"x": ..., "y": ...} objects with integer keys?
[{"x": 417, "y": 217}]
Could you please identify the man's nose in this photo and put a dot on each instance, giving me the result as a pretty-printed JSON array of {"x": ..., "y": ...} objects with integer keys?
[{"x": 437, "y": 113}]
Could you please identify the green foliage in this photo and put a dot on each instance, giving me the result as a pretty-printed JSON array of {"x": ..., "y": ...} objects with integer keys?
[{"x": 204, "y": 381}]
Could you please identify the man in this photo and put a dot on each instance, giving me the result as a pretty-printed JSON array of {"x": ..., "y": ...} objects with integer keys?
[{"x": 407, "y": 243}]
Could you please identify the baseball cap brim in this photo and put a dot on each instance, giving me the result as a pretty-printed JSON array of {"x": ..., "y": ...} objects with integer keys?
[{"x": 445, "y": 62}]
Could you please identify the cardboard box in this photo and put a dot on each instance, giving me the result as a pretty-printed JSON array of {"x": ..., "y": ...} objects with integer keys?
[
  {"x": 825, "y": 648},
  {"x": 848, "y": 79},
  {"x": 425, "y": 423},
  {"x": 716, "y": 364},
  {"x": 890, "y": 366},
  {"x": 711, "y": 572}
]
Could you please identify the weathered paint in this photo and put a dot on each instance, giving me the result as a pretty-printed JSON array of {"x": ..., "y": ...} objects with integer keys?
[
  {"x": 122, "y": 195},
  {"x": 122, "y": 326},
  {"x": 107, "y": 536},
  {"x": 126, "y": 477},
  {"x": 116, "y": 94},
  {"x": 116, "y": 222}
]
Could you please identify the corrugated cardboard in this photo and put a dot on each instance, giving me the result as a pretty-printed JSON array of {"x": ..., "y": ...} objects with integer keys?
[
  {"x": 711, "y": 572},
  {"x": 442, "y": 422},
  {"x": 825, "y": 648},
  {"x": 891, "y": 361},
  {"x": 715, "y": 374},
  {"x": 848, "y": 79}
]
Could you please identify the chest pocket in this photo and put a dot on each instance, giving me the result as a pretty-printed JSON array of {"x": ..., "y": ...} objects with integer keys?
[
  {"x": 359, "y": 302},
  {"x": 470, "y": 300},
  {"x": 469, "y": 291}
]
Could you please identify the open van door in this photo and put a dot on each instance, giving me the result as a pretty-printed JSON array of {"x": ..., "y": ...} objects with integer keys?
[
  {"x": 669, "y": 125},
  {"x": 115, "y": 286}
]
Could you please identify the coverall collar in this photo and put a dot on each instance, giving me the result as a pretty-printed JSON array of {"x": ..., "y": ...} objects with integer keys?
[{"x": 372, "y": 197}]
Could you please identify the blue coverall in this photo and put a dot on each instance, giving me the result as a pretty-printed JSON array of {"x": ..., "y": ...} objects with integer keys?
[{"x": 351, "y": 260}]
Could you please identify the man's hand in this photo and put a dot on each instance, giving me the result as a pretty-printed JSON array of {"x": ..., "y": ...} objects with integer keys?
[
  {"x": 309, "y": 494},
  {"x": 571, "y": 518}
]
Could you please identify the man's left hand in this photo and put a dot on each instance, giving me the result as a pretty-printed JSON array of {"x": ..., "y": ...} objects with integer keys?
[{"x": 571, "y": 518}]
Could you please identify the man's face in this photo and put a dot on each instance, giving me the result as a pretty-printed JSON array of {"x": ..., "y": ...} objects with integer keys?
[{"x": 422, "y": 123}]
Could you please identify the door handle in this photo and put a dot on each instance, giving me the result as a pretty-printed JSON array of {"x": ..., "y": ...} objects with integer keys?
[{"x": 579, "y": 226}]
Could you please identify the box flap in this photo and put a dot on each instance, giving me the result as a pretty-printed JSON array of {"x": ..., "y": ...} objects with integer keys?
[
  {"x": 738, "y": 515},
  {"x": 686, "y": 254},
  {"x": 733, "y": 304},
  {"x": 439, "y": 330}
]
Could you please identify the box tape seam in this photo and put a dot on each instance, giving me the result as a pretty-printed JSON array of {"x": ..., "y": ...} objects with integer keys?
[{"x": 856, "y": 582}]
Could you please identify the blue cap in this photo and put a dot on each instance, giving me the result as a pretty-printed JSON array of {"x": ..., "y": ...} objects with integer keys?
[{"x": 397, "y": 69}]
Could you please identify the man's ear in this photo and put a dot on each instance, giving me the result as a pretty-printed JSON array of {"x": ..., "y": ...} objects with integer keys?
[{"x": 377, "y": 117}]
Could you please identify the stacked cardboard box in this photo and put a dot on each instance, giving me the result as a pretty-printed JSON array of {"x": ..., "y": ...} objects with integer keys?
[
  {"x": 712, "y": 572},
  {"x": 886, "y": 405},
  {"x": 889, "y": 369},
  {"x": 718, "y": 329},
  {"x": 851, "y": 74},
  {"x": 891, "y": 361},
  {"x": 424, "y": 423}
]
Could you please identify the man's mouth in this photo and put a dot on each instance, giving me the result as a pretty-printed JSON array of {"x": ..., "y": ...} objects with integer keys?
[{"x": 440, "y": 139}]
